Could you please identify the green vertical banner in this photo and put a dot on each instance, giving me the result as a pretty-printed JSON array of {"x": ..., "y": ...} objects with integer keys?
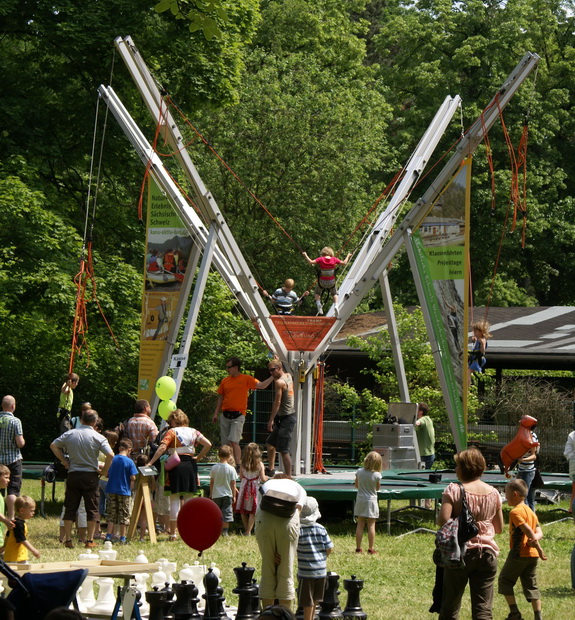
[
  {"x": 440, "y": 246},
  {"x": 168, "y": 249}
]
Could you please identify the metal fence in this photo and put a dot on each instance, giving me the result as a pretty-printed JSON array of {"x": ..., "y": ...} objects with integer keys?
[{"x": 344, "y": 441}]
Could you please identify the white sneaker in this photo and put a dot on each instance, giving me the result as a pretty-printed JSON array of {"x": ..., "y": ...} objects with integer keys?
[
  {"x": 335, "y": 311},
  {"x": 319, "y": 312}
]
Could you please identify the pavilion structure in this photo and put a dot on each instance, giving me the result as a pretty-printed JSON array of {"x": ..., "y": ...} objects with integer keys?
[{"x": 298, "y": 341}]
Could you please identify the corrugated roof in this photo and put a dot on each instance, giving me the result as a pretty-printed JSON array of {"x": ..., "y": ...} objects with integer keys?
[{"x": 539, "y": 337}]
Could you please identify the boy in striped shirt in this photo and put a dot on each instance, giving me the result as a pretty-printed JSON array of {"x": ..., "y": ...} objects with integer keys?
[{"x": 314, "y": 545}]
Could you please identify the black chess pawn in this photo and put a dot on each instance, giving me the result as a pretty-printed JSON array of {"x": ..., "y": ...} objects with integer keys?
[
  {"x": 186, "y": 605},
  {"x": 245, "y": 591},
  {"x": 353, "y": 608},
  {"x": 157, "y": 600},
  {"x": 256, "y": 597},
  {"x": 329, "y": 607},
  {"x": 211, "y": 596},
  {"x": 169, "y": 601},
  {"x": 222, "y": 615}
]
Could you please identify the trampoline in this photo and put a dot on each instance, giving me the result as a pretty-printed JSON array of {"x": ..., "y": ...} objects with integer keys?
[{"x": 47, "y": 473}]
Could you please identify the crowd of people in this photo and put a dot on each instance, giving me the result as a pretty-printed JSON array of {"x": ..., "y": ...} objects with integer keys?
[{"x": 102, "y": 467}]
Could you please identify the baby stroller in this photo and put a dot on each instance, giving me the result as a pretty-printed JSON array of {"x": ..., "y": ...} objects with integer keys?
[{"x": 35, "y": 594}]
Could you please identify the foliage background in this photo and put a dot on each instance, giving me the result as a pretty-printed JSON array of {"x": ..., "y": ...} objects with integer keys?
[{"x": 315, "y": 105}]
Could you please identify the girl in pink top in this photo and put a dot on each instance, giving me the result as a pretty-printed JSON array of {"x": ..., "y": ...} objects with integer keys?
[
  {"x": 480, "y": 568},
  {"x": 327, "y": 264}
]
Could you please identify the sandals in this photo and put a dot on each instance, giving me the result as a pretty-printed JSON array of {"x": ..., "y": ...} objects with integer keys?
[{"x": 172, "y": 537}]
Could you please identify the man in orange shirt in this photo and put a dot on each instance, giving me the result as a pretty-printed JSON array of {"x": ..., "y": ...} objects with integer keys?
[{"x": 233, "y": 403}]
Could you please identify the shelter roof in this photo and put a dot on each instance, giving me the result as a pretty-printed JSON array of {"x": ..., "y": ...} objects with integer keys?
[{"x": 541, "y": 337}]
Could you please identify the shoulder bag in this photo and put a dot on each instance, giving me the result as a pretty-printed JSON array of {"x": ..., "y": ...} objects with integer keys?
[
  {"x": 468, "y": 527},
  {"x": 174, "y": 458}
]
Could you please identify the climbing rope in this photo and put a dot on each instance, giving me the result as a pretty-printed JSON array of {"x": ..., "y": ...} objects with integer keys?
[{"x": 85, "y": 273}]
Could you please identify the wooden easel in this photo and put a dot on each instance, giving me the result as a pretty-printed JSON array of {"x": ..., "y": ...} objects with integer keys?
[{"x": 142, "y": 496}]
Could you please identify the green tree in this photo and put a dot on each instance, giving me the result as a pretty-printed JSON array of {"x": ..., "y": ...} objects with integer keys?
[
  {"x": 39, "y": 256},
  {"x": 433, "y": 48},
  {"x": 307, "y": 137}
]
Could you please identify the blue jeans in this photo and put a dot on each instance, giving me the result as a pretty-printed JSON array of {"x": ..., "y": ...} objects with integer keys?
[
  {"x": 428, "y": 460},
  {"x": 527, "y": 476}
]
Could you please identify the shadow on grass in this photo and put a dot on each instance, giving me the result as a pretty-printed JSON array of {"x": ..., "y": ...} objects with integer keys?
[{"x": 557, "y": 592}]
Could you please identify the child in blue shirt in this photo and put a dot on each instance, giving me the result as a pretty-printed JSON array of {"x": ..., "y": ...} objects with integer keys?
[
  {"x": 314, "y": 545},
  {"x": 121, "y": 476}
]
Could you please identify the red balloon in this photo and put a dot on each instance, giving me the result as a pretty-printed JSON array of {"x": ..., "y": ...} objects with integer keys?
[{"x": 200, "y": 523}]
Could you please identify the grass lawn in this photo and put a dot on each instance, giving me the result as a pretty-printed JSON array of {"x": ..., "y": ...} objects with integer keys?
[{"x": 397, "y": 582}]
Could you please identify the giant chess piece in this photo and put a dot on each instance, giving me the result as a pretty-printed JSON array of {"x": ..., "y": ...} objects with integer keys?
[
  {"x": 86, "y": 598},
  {"x": 139, "y": 582},
  {"x": 211, "y": 596},
  {"x": 245, "y": 591},
  {"x": 353, "y": 608},
  {"x": 222, "y": 615},
  {"x": 156, "y": 599},
  {"x": 168, "y": 605},
  {"x": 186, "y": 605},
  {"x": 195, "y": 573},
  {"x": 158, "y": 578},
  {"x": 256, "y": 597},
  {"x": 107, "y": 553},
  {"x": 106, "y": 598},
  {"x": 329, "y": 607}
]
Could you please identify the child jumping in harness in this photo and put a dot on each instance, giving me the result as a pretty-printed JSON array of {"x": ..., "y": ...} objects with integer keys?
[
  {"x": 285, "y": 299},
  {"x": 327, "y": 263},
  {"x": 479, "y": 339}
]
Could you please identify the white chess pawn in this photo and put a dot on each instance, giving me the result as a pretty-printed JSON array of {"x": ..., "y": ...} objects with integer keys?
[
  {"x": 88, "y": 556},
  {"x": 216, "y": 571},
  {"x": 106, "y": 597},
  {"x": 140, "y": 583},
  {"x": 170, "y": 568},
  {"x": 86, "y": 598},
  {"x": 107, "y": 553},
  {"x": 141, "y": 558},
  {"x": 198, "y": 572},
  {"x": 187, "y": 574},
  {"x": 159, "y": 577}
]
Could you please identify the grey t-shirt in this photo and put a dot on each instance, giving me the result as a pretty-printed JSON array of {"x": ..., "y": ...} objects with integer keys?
[{"x": 83, "y": 444}]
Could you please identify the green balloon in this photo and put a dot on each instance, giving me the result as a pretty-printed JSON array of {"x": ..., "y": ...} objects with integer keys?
[
  {"x": 165, "y": 388},
  {"x": 165, "y": 408}
]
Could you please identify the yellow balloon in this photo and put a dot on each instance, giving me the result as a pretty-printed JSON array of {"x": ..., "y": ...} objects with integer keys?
[
  {"x": 165, "y": 388},
  {"x": 165, "y": 408}
]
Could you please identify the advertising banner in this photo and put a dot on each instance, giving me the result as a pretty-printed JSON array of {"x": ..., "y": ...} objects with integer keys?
[
  {"x": 302, "y": 333},
  {"x": 440, "y": 246},
  {"x": 168, "y": 249}
]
